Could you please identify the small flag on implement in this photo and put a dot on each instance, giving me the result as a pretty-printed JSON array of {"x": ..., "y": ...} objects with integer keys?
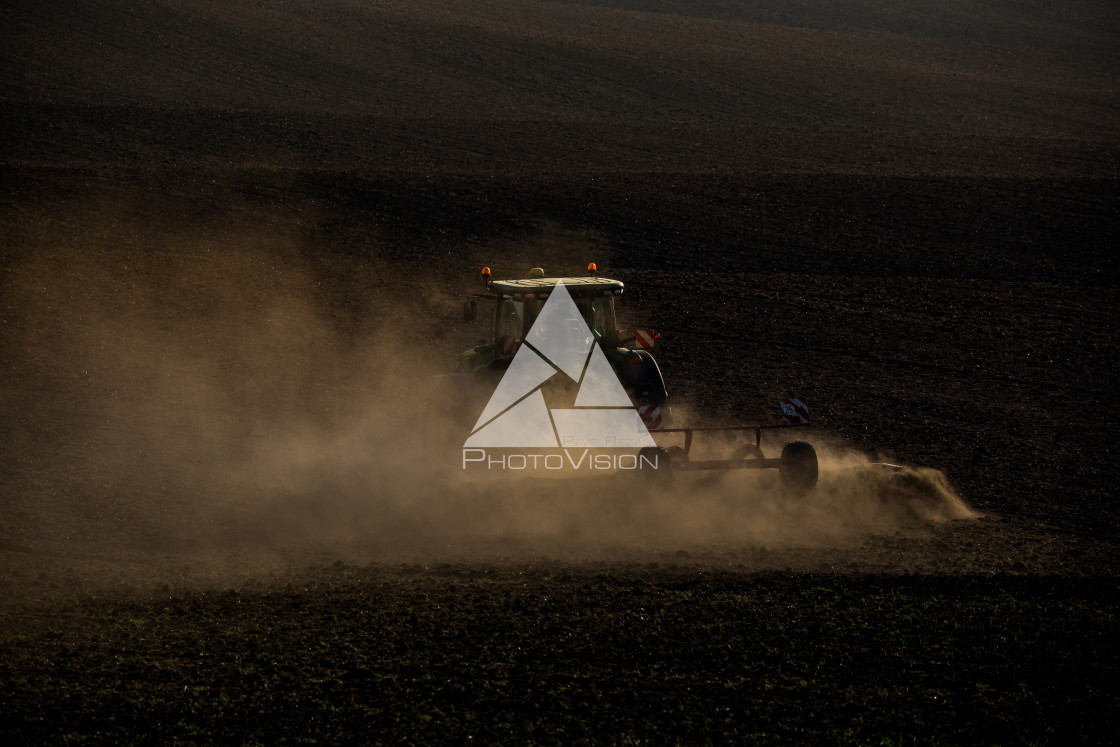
[{"x": 794, "y": 411}]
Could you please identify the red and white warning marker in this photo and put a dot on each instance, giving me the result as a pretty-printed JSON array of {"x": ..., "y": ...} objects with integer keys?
[
  {"x": 645, "y": 337},
  {"x": 794, "y": 411},
  {"x": 651, "y": 416},
  {"x": 507, "y": 345}
]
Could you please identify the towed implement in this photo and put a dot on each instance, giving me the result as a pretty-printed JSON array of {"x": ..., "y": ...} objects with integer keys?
[
  {"x": 797, "y": 464},
  {"x": 559, "y": 375}
]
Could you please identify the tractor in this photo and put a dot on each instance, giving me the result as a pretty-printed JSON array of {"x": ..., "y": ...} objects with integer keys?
[
  {"x": 515, "y": 306},
  {"x": 584, "y": 318}
]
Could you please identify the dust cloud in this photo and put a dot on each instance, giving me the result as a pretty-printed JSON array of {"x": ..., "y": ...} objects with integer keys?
[
  {"x": 206, "y": 404},
  {"x": 636, "y": 514}
]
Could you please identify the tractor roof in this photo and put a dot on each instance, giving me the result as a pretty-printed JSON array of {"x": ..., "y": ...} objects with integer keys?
[{"x": 576, "y": 286}]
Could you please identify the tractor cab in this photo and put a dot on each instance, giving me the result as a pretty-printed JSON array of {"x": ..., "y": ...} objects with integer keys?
[{"x": 517, "y": 305}]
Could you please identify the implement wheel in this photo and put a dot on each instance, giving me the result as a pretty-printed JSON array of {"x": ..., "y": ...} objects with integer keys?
[{"x": 798, "y": 468}]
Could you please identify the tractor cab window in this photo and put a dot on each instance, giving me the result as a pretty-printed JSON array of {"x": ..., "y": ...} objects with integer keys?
[
  {"x": 568, "y": 331},
  {"x": 510, "y": 320},
  {"x": 514, "y": 318},
  {"x": 599, "y": 315}
]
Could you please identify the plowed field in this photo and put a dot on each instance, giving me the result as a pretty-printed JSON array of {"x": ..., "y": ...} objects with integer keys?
[{"x": 235, "y": 239}]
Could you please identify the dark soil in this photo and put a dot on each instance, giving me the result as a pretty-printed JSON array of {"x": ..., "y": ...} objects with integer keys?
[
  {"x": 234, "y": 243},
  {"x": 657, "y": 653}
]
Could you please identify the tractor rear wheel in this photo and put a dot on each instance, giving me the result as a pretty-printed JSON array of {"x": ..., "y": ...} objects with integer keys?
[{"x": 798, "y": 468}]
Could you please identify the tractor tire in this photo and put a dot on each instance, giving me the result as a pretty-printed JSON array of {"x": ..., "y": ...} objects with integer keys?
[{"x": 798, "y": 469}]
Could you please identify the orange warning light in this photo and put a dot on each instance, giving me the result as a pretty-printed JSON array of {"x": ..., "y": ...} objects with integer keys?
[{"x": 591, "y": 268}]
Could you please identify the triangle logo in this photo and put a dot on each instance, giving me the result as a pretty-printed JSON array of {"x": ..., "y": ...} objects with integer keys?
[{"x": 559, "y": 342}]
